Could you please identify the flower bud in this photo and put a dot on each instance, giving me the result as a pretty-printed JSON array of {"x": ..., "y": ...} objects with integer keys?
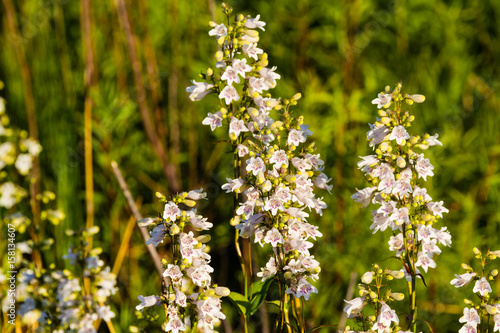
[
  {"x": 219, "y": 55},
  {"x": 491, "y": 309},
  {"x": 222, "y": 291},
  {"x": 367, "y": 277},
  {"x": 466, "y": 267},
  {"x": 174, "y": 229},
  {"x": 396, "y": 274},
  {"x": 397, "y": 296},
  {"x": 210, "y": 72},
  {"x": 260, "y": 178},
  {"x": 203, "y": 238},
  {"x": 235, "y": 221},
  {"x": 494, "y": 272},
  {"x": 373, "y": 295},
  {"x": 288, "y": 275},
  {"x": 296, "y": 97},
  {"x": 385, "y": 120},
  {"x": 189, "y": 203},
  {"x": 266, "y": 187},
  {"x": 401, "y": 162},
  {"x": 476, "y": 251}
]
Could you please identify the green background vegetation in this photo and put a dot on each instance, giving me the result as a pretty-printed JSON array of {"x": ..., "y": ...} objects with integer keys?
[{"x": 338, "y": 54}]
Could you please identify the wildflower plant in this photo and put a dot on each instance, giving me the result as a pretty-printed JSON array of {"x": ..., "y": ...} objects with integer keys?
[
  {"x": 374, "y": 293},
  {"x": 480, "y": 313},
  {"x": 70, "y": 300},
  {"x": 190, "y": 300},
  {"x": 276, "y": 170},
  {"x": 394, "y": 176}
]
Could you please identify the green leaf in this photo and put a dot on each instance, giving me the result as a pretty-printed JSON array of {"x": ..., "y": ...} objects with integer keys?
[
  {"x": 240, "y": 301},
  {"x": 259, "y": 294}
]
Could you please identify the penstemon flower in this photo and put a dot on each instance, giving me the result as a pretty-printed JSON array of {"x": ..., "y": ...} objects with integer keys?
[
  {"x": 393, "y": 173},
  {"x": 190, "y": 300},
  {"x": 275, "y": 169},
  {"x": 478, "y": 315}
]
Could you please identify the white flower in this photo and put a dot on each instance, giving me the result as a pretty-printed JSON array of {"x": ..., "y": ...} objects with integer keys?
[
  {"x": 382, "y": 100},
  {"x": 425, "y": 262},
  {"x": 171, "y": 211},
  {"x": 24, "y": 163},
  {"x": 279, "y": 158},
  {"x": 496, "y": 318},
  {"x": 237, "y": 126},
  {"x": 214, "y": 120},
  {"x": 295, "y": 137},
  {"x": 8, "y": 193},
  {"x": 241, "y": 66},
  {"x": 105, "y": 313},
  {"x": 255, "y": 165},
  {"x": 230, "y": 75},
  {"x": 252, "y": 50},
  {"x": 218, "y": 30},
  {"x": 470, "y": 317},
  {"x": 257, "y": 84},
  {"x": 175, "y": 325},
  {"x": 273, "y": 237},
  {"x": 467, "y": 328},
  {"x": 242, "y": 150},
  {"x": 229, "y": 94},
  {"x": 482, "y": 286},
  {"x": 253, "y": 23},
  {"x": 199, "y": 90},
  {"x": 354, "y": 306},
  {"x": 34, "y": 147},
  {"x": 399, "y": 134},
  {"x": 433, "y": 141},
  {"x": 387, "y": 315},
  {"x": 233, "y": 185},
  {"x": 304, "y": 288},
  {"x": 424, "y": 167},
  {"x": 437, "y": 208},
  {"x": 376, "y": 135},
  {"x": 322, "y": 182},
  {"x": 269, "y": 76},
  {"x": 364, "y": 196},
  {"x": 269, "y": 270}
]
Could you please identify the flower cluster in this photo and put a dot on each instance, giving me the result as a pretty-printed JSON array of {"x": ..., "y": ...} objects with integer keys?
[
  {"x": 69, "y": 300},
  {"x": 394, "y": 173},
  {"x": 274, "y": 168},
  {"x": 488, "y": 306},
  {"x": 17, "y": 152},
  {"x": 189, "y": 269},
  {"x": 373, "y": 292}
]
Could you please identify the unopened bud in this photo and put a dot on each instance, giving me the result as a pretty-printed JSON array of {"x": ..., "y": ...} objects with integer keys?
[
  {"x": 203, "y": 238},
  {"x": 367, "y": 277},
  {"x": 222, "y": 291},
  {"x": 235, "y": 221},
  {"x": 401, "y": 162},
  {"x": 174, "y": 229},
  {"x": 219, "y": 55},
  {"x": 397, "y": 296},
  {"x": 266, "y": 187}
]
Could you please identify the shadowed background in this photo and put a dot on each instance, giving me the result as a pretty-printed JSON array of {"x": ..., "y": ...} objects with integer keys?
[{"x": 68, "y": 70}]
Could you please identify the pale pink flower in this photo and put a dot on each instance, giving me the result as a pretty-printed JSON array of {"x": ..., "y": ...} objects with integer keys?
[
  {"x": 273, "y": 237},
  {"x": 482, "y": 286},
  {"x": 230, "y": 75},
  {"x": 399, "y": 134},
  {"x": 295, "y": 137},
  {"x": 382, "y": 100},
  {"x": 253, "y": 23},
  {"x": 214, "y": 120},
  {"x": 237, "y": 126},
  {"x": 354, "y": 307},
  {"x": 462, "y": 280},
  {"x": 233, "y": 184},
  {"x": 218, "y": 30},
  {"x": 437, "y": 208},
  {"x": 470, "y": 317},
  {"x": 252, "y": 50},
  {"x": 279, "y": 158},
  {"x": 255, "y": 165},
  {"x": 241, "y": 66},
  {"x": 229, "y": 94},
  {"x": 425, "y": 262},
  {"x": 269, "y": 76},
  {"x": 171, "y": 211},
  {"x": 199, "y": 90}
]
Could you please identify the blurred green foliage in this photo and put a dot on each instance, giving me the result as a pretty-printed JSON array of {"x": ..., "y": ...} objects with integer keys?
[{"x": 337, "y": 54}]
